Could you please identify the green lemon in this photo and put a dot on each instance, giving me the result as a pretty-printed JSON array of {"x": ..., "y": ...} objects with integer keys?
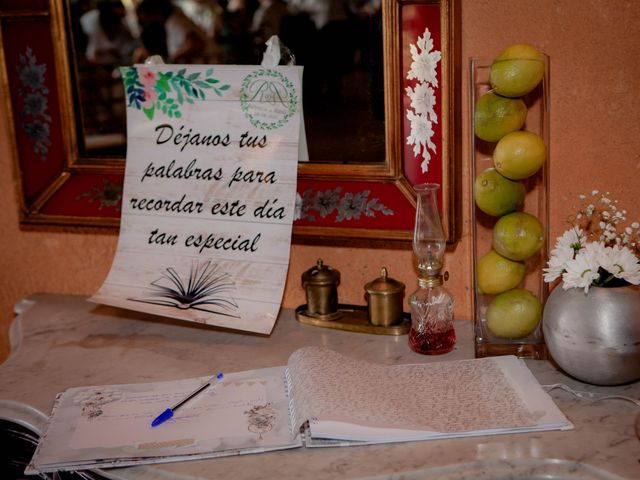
[
  {"x": 497, "y": 274},
  {"x": 519, "y": 155},
  {"x": 496, "y": 195},
  {"x": 495, "y": 116},
  {"x": 517, "y": 70},
  {"x": 514, "y": 314},
  {"x": 518, "y": 236}
]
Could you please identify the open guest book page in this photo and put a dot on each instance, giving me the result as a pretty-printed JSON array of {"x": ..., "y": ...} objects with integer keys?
[
  {"x": 334, "y": 400},
  {"x": 346, "y": 399}
]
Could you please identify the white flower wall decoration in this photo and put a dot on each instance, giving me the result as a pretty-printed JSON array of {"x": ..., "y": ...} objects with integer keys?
[{"x": 421, "y": 113}]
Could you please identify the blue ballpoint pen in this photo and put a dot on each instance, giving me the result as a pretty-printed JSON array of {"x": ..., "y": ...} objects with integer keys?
[{"x": 168, "y": 413}]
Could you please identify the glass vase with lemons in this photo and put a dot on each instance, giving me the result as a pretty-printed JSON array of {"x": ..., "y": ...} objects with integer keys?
[{"x": 509, "y": 155}]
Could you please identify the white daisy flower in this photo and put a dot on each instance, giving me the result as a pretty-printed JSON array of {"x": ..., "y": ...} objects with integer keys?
[
  {"x": 573, "y": 238},
  {"x": 550, "y": 274},
  {"x": 580, "y": 272},
  {"x": 595, "y": 251},
  {"x": 557, "y": 262},
  {"x": 622, "y": 263}
]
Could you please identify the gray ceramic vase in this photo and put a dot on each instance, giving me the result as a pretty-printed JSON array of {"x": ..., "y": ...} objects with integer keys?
[{"x": 595, "y": 337}]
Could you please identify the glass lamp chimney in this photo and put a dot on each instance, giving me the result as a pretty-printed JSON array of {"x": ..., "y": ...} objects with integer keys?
[{"x": 428, "y": 237}]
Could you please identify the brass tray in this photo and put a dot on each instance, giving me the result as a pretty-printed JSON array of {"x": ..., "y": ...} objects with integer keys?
[{"x": 353, "y": 318}]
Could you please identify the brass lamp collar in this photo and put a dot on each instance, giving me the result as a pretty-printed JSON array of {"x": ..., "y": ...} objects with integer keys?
[{"x": 431, "y": 279}]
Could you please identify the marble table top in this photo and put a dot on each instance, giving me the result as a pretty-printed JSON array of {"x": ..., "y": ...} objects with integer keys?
[{"x": 62, "y": 341}]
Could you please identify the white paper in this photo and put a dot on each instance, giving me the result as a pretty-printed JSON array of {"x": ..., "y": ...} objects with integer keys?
[
  {"x": 209, "y": 193},
  {"x": 108, "y": 425}
]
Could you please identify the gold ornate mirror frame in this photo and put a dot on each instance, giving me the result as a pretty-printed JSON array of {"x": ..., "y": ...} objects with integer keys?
[{"x": 344, "y": 203}]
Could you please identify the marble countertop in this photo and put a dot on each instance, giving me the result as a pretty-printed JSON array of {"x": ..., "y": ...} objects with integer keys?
[{"x": 61, "y": 341}]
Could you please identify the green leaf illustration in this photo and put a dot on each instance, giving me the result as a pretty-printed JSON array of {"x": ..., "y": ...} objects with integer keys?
[
  {"x": 162, "y": 84},
  {"x": 149, "y": 112},
  {"x": 173, "y": 89}
]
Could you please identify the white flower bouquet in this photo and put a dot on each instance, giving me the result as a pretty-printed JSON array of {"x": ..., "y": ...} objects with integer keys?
[{"x": 598, "y": 250}]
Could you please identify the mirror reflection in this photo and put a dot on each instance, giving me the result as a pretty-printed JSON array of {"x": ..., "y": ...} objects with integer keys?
[{"x": 339, "y": 43}]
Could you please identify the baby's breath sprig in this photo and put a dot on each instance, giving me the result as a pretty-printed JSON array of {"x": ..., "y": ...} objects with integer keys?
[{"x": 603, "y": 221}]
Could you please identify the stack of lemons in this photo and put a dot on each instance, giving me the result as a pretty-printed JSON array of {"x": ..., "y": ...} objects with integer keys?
[{"x": 499, "y": 116}]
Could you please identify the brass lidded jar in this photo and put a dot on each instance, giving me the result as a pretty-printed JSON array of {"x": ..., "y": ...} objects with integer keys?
[
  {"x": 320, "y": 284},
  {"x": 384, "y": 299}
]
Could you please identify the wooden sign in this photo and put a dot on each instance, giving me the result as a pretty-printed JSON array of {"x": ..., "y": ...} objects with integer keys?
[{"x": 209, "y": 193}]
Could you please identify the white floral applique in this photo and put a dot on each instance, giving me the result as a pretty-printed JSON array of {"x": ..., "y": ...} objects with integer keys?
[{"x": 421, "y": 113}]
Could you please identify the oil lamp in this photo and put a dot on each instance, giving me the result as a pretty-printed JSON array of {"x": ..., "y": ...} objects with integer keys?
[{"x": 432, "y": 331}]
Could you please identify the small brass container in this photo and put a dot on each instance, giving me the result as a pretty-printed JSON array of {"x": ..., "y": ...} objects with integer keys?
[
  {"x": 384, "y": 299},
  {"x": 320, "y": 284}
]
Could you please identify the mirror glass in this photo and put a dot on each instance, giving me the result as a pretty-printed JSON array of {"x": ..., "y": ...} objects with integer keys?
[{"x": 339, "y": 43}]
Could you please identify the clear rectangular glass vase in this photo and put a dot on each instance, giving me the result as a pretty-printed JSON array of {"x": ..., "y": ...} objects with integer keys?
[{"x": 487, "y": 342}]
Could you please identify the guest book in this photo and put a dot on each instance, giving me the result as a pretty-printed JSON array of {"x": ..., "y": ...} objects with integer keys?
[{"x": 320, "y": 398}]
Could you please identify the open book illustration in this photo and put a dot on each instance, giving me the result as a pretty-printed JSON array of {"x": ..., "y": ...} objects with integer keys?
[
  {"x": 204, "y": 289},
  {"x": 320, "y": 398}
]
